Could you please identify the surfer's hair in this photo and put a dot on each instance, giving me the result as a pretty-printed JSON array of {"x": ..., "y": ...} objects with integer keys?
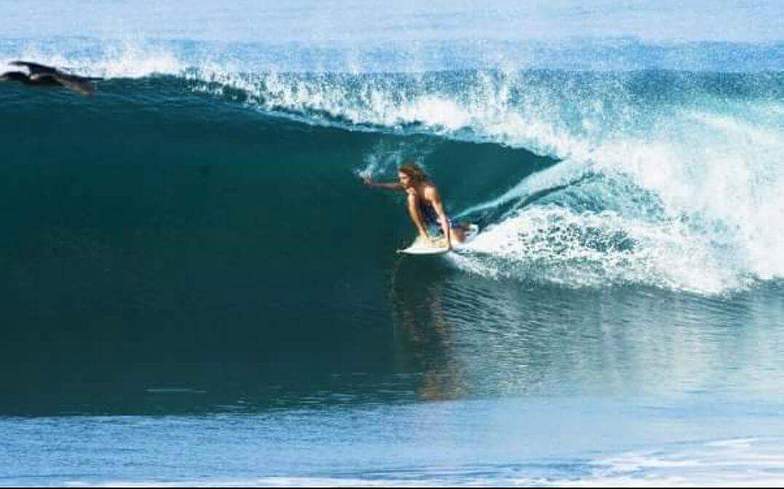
[{"x": 414, "y": 171}]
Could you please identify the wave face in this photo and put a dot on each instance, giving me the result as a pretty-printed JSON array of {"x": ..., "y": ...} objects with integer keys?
[{"x": 661, "y": 178}]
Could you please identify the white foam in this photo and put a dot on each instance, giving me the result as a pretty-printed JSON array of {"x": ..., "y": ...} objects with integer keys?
[
  {"x": 557, "y": 245},
  {"x": 726, "y": 463}
]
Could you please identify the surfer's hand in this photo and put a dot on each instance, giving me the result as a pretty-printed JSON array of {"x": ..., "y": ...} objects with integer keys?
[{"x": 367, "y": 180}]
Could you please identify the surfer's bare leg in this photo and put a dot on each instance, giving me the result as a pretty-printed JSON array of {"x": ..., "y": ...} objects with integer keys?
[{"x": 416, "y": 215}]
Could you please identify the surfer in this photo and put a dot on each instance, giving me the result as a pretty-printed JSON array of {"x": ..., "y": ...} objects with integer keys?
[
  {"x": 424, "y": 203},
  {"x": 42, "y": 75}
]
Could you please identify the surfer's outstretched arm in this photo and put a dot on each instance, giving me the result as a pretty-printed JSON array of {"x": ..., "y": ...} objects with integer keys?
[{"x": 389, "y": 186}]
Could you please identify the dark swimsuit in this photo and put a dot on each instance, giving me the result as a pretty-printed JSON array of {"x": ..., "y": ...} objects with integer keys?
[{"x": 430, "y": 217}]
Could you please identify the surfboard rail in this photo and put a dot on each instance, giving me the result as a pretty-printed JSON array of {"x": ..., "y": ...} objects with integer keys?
[{"x": 422, "y": 247}]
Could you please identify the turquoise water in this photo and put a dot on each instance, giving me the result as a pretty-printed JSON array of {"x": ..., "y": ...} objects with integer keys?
[{"x": 199, "y": 290}]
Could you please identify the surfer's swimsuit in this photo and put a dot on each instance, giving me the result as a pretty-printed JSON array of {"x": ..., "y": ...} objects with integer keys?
[{"x": 430, "y": 217}]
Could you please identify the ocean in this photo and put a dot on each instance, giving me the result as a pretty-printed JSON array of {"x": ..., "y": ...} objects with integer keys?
[{"x": 198, "y": 289}]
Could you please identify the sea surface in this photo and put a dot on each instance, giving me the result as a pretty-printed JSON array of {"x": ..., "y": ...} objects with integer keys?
[{"x": 197, "y": 289}]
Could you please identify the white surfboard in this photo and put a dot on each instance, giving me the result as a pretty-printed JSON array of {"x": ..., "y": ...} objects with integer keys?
[{"x": 425, "y": 247}]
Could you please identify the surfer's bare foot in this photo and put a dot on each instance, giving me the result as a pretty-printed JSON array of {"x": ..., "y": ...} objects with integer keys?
[{"x": 458, "y": 234}]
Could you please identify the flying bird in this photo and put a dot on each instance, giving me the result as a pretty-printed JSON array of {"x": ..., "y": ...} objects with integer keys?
[{"x": 42, "y": 75}]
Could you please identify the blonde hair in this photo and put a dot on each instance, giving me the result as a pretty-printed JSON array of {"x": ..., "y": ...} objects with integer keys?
[{"x": 414, "y": 171}]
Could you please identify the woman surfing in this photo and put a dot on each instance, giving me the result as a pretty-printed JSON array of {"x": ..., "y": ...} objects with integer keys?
[{"x": 424, "y": 205}]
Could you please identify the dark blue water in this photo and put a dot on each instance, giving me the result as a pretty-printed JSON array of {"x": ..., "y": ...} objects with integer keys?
[{"x": 197, "y": 288}]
